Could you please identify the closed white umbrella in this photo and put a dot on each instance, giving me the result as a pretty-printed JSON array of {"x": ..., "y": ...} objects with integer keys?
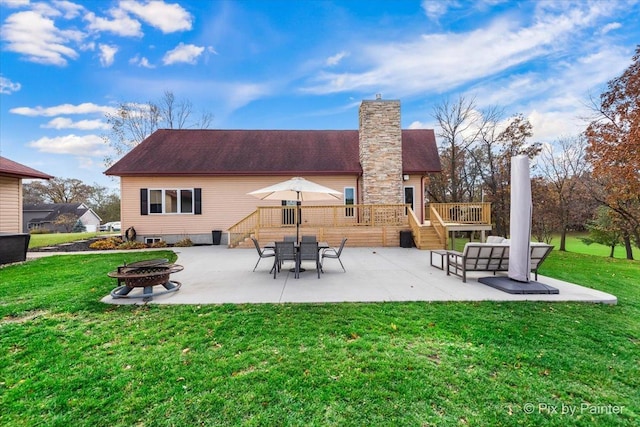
[
  {"x": 298, "y": 189},
  {"x": 520, "y": 220}
]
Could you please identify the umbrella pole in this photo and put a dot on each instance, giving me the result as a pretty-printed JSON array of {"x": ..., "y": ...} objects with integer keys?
[{"x": 298, "y": 218}]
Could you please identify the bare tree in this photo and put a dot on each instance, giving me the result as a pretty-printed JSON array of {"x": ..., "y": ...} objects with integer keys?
[
  {"x": 133, "y": 122},
  {"x": 562, "y": 168},
  {"x": 460, "y": 125}
]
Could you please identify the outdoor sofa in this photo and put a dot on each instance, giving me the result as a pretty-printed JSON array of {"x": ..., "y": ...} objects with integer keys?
[{"x": 491, "y": 257}]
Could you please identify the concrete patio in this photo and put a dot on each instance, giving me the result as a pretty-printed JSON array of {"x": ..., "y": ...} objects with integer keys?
[{"x": 218, "y": 275}]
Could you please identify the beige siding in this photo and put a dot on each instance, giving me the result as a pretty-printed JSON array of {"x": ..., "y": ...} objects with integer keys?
[
  {"x": 224, "y": 202},
  {"x": 10, "y": 205}
]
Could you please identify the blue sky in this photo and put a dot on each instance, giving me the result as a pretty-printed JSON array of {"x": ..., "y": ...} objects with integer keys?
[{"x": 295, "y": 65}]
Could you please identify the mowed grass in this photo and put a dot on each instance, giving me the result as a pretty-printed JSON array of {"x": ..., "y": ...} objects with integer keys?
[
  {"x": 68, "y": 359},
  {"x": 50, "y": 239}
]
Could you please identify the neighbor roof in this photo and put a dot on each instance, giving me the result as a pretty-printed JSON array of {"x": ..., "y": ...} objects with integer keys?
[
  {"x": 176, "y": 152},
  {"x": 17, "y": 170}
]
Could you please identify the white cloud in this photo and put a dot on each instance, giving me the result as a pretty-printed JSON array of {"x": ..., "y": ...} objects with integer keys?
[
  {"x": 107, "y": 54},
  {"x": 14, "y": 3},
  {"x": 8, "y": 87},
  {"x": 63, "y": 109},
  {"x": 548, "y": 126},
  {"x": 241, "y": 94},
  {"x": 440, "y": 62},
  {"x": 168, "y": 18},
  {"x": 434, "y": 9},
  {"x": 188, "y": 53},
  {"x": 335, "y": 59},
  {"x": 70, "y": 10},
  {"x": 121, "y": 24},
  {"x": 87, "y": 145},
  {"x": 610, "y": 27},
  {"x": 66, "y": 123},
  {"x": 141, "y": 62},
  {"x": 37, "y": 38}
]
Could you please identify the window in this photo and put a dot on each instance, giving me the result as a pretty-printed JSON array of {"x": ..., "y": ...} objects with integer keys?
[
  {"x": 171, "y": 201},
  {"x": 349, "y": 199}
]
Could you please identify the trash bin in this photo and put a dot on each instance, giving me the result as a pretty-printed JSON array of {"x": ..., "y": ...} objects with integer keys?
[
  {"x": 406, "y": 241},
  {"x": 217, "y": 236}
]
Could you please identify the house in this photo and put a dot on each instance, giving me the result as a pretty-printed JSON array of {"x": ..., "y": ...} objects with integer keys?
[
  {"x": 11, "y": 176},
  {"x": 186, "y": 183},
  {"x": 59, "y": 217}
]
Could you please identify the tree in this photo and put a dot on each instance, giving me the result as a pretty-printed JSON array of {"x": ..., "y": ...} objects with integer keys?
[
  {"x": 603, "y": 230},
  {"x": 614, "y": 150},
  {"x": 57, "y": 190},
  {"x": 562, "y": 169},
  {"x": 66, "y": 220},
  {"x": 459, "y": 128},
  {"x": 492, "y": 155},
  {"x": 133, "y": 122}
]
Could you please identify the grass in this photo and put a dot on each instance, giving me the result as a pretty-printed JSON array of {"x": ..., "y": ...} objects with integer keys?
[
  {"x": 67, "y": 359},
  {"x": 50, "y": 239}
]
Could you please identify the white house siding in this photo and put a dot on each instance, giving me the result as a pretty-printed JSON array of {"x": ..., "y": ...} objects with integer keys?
[
  {"x": 224, "y": 202},
  {"x": 10, "y": 205}
]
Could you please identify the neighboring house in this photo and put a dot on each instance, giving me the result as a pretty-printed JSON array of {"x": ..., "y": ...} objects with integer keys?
[
  {"x": 11, "y": 176},
  {"x": 46, "y": 215},
  {"x": 179, "y": 183}
]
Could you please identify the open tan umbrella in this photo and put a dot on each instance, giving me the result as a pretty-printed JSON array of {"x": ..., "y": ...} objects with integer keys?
[{"x": 298, "y": 189}]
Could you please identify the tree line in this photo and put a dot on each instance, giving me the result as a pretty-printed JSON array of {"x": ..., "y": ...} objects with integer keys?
[{"x": 589, "y": 181}]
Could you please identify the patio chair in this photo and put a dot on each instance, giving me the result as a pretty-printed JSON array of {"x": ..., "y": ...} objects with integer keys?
[
  {"x": 285, "y": 251},
  {"x": 334, "y": 254},
  {"x": 308, "y": 252},
  {"x": 308, "y": 238},
  {"x": 262, "y": 253},
  {"x": 290, "y": 239}
]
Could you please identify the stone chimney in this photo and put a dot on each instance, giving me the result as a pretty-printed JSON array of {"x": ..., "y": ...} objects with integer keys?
[{"x": 381, "y": 152}]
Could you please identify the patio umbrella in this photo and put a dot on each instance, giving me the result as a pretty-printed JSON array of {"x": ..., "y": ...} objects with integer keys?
[
  {"x": 520, "y": 220},
  {"x": 298, "y": 189}
]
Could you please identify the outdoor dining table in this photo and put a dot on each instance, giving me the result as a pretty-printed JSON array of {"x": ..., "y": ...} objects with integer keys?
[{"x": 321, "y": 245}]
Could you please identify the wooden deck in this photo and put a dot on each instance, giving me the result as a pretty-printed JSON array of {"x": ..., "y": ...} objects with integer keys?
[{"x": 363, "y": 225}]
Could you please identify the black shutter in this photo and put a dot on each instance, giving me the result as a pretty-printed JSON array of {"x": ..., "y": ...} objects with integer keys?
[
  {"x": 197, "y": 201},
  {"x": 144, "y": 206}
]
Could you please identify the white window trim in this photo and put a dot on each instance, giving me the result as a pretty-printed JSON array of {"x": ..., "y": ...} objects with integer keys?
[{"x": 163, "y": 196}]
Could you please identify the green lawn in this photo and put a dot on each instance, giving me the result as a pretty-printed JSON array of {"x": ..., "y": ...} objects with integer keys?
[
  {"x": 50, "y": 239},
  {"x": 68, "y": 360}
]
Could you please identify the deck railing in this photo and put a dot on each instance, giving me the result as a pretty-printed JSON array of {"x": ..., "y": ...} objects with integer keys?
[
  {"x": 318, "y": 216},
  {"x": 463, "y": 213},
  {"x": 439, "y": 226},
  {"x": 440, "y": 215}
]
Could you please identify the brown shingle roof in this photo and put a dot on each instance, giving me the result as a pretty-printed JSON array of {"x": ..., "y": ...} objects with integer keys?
[
  {"x": 265, "y": 152},
  {"x": 17, "y": 170}
]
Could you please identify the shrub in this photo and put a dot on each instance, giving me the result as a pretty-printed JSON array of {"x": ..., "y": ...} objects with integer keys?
[
  {"x": 184, "y": 243},
  {"x": 106, "y": 244},
  {"x": 158, "y": 244},
  {"x": 132, "y": 245}
]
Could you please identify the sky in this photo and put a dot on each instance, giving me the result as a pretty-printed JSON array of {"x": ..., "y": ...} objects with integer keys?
[{"x": 270, "y": 64}]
